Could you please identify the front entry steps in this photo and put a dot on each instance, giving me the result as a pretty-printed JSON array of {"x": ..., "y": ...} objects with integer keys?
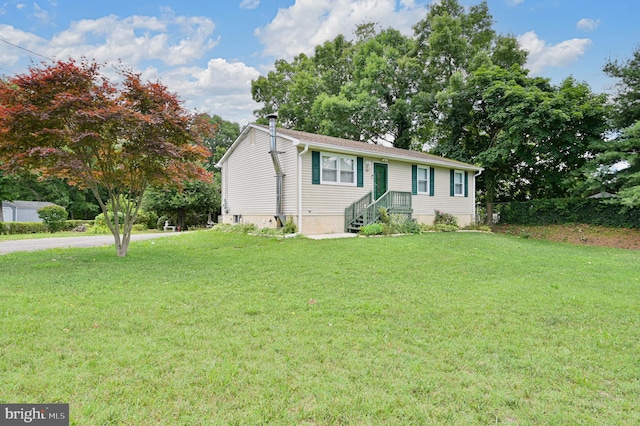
[{"x": 366, "y": 211}]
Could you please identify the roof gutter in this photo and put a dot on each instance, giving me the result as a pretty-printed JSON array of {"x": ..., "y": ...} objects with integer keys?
[{"x": 304, "y": 151}]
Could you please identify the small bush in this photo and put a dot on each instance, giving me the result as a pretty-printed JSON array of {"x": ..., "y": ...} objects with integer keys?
[
  {"x": 148, "y": 218},
  {"x": 409, "y": 227},
  {"x": 426, "y": 228},
  {"x": 401, "y": 224},
  {"x": 445, "y": 228},
  {"x": 100, "y": 224},
  {"x": 445, "y": 219},
  {"x": 239, "y": 228},
  {"x": 98, "y": 230},
  {"x": 589, "y": 211},
  {"x": 290, "y": 227},
  {"x": 270, "y": 232},
  {"x": 524, "y": 234},
  {"x": 54, "y": 217},
  {"x": 384, "y": 217},
  {"x": 100, "y": 221},
  {"x": 372, "y": 229},
  {"x": 14, "y": 228}
]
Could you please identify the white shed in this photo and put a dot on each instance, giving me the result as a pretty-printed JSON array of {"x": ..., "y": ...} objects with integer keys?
[{"x": 23, "y": 211}]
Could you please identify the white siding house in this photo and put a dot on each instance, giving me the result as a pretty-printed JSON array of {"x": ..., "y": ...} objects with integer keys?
[{"x": 323, "y": 176}]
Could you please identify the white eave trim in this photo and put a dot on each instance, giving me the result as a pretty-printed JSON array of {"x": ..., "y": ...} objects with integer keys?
[
  {"x": 363, "y": 152},
  {"x": 366, "y": 153}
]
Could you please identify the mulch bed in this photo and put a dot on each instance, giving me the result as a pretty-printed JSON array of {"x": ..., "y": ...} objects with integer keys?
[{"x": 577, "y": 234}]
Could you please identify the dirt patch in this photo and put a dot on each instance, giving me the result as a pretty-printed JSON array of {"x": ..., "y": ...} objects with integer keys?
[{"x": 577, "y": 234}]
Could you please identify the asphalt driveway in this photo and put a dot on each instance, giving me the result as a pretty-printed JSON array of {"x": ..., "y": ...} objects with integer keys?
[{"x": 69, "y": 242}]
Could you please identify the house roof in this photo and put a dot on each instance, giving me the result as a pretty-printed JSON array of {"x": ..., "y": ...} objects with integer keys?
[
  {"x": 26, "y": 204},
  {"x": 354, "y": 147}
]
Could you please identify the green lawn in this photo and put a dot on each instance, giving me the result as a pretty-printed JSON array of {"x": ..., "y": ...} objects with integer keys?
[{"x": 212, "y": 328}]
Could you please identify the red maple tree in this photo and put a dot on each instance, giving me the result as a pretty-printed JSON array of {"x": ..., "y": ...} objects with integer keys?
[{"x": 69, "y": 121}]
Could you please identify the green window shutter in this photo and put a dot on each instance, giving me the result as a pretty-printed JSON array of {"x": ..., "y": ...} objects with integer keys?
[
  {"x": 452, "y": 186},
  {"x": 315, "y": 167},
  {"x": 414, "y": 179},
  {"x": 360, "y": 164},
  {"x": 466, "y": 184},
  {"x": 432, "y": 180}
]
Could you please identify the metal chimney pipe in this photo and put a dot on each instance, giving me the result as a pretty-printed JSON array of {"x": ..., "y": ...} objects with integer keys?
[{"x": 280, "y": 218}]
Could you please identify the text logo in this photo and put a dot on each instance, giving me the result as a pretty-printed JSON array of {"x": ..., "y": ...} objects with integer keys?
[{"x": 34, "y": 414}]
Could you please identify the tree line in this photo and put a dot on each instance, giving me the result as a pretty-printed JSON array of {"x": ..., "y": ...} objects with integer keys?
[{"x": 458, "y": 89}]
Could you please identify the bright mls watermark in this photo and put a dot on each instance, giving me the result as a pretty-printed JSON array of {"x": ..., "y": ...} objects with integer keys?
[{"x": 34, "y": 414}]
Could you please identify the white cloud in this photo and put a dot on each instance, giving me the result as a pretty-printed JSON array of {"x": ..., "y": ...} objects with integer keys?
[
  {"x": 222, "y": 88},
  {"x": 514, "y": 2},
  {"x": 308, "y": 23},
  {"x": 136, "y": 38},
  {"x": 167, "y": 48},
  {"x": 586, "y": 24},
  {"x": 10, "y": 55},
  {"x": 542, "y": 55},
  {"x": 249, "y": 4}
]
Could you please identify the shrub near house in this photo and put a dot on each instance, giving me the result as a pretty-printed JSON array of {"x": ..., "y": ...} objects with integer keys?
[{"x": 54, "y": 217}]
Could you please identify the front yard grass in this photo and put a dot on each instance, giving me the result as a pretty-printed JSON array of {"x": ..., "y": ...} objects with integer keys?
[{"x": 214, "y": 328}]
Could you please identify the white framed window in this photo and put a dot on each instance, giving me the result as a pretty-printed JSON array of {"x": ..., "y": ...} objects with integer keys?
[
  {"x": 338, "y": 169},
  {"x": 458, "y": 183},
  {"x": 423, "y": 180}
]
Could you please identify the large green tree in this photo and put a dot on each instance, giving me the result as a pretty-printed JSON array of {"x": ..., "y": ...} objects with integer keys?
[
  {"x": 8, "y": 191},
  {"x": 359, "y": 89},
  {"x": 191, "y": 204},
  {"x": 455, "y": 87},
  {"x": 376, "y": 104},
  {"x": 221, "y": 135},
  {"x": 195, "y": 202},
  {"x": 527, "y": 134},
  {"x": 66, "y": 120},
  {"x": 449, "y": 41},
  {"x": 292, "y": 87},
  {"x": 616, "y": 168},
  {"x": 622, "y": 158},
  {"x": 382, "y": 85}
]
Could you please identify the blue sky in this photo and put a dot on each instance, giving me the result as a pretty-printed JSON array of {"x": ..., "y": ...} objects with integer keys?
[{"x": 209, "y": 51}]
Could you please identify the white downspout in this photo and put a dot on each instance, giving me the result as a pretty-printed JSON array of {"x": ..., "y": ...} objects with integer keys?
[
  {"x": 280, "y": 218},
  {"x": 306, "y": 148},
  {"x": 475, "y": 213}
]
